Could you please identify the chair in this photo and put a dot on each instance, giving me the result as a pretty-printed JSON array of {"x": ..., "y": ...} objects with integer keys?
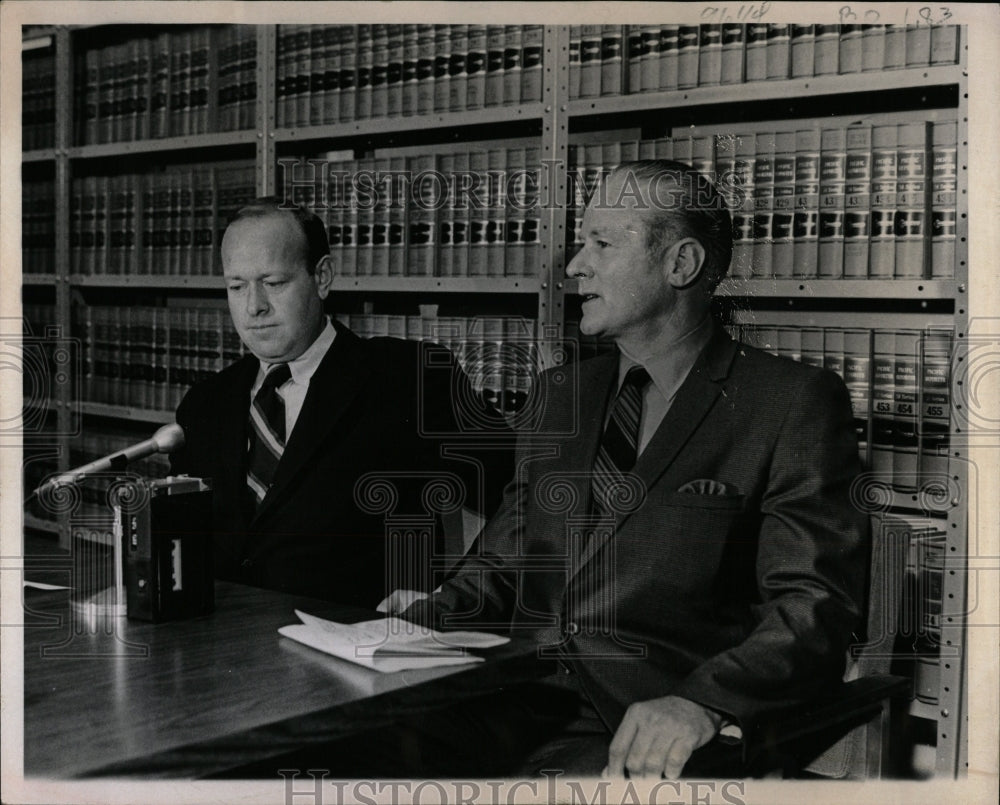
[{"x": 845, "y": 733}]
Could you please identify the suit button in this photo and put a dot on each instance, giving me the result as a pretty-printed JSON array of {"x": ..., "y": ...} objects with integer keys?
[
  {"x": 572, "y": 628},
  {"x": 246, "y": 563}
]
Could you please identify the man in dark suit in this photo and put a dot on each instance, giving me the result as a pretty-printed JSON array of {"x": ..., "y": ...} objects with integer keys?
[
  {"x": 689, "y": 550},
  {"x": 290, "y": 434}
]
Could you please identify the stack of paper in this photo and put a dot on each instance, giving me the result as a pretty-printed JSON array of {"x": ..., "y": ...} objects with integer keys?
[{"x": 389, "y": 644}]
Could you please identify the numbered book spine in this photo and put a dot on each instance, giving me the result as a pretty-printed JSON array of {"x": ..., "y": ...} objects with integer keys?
[
  {"x": 857, "y": 201},
  {"x": 944, "y": 188},
  {"x": 858, "y": 379},
  {"x": 827, "y": 50},
  {"x": 883, "y": 403},
  {"x": 669, "y": 44},
  {"x": 779, "y": 51},
  {"x": 743, "y": 215},
  {"x": 912, "y": 199},
  {"x": 882, "y": 261},
  {"x": 906, "y": 378},
  {"x": 783, "y": 222},
  {"x": 733, "y": 46},
  {"x": 935, "y": 406},
  {"x": 833, "y": 178},
  {"x": 756, "y": 52},
  {"x": 710, "y": 56},
  {"x": 763, "y": 191},
  {"x": 807, "y": 181},
  {"x": 803, "y": 50}
]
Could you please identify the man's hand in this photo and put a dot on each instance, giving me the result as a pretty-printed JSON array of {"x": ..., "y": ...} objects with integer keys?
[
  {"x": 656, "y": 737},
  {"x": 398, "y": 600}
]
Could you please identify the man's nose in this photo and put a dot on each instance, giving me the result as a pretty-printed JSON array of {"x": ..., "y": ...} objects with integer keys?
[
  {"x": 256, "y": 300},
  {"x": 578, "y": 265}
]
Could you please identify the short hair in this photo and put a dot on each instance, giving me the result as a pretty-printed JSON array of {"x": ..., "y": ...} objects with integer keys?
[
  {"x": 309, "y": 224},
  {"x": 691, "y": 207}
]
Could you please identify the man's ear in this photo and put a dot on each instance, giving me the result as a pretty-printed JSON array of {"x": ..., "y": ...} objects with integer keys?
[
  {"x": 685, "y": 261},
  {"x": 324, "y": 276}
]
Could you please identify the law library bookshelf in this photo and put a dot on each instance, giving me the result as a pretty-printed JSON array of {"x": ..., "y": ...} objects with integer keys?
[{"x": 451, "y": 165}]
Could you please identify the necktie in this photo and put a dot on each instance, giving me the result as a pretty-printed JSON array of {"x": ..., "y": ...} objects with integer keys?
[
  {"x": 617, "y": 452},
  {"x": 267, "y": 431}
]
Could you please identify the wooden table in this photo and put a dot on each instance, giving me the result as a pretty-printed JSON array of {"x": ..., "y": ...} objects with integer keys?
[{"x": 190, "y": 698}]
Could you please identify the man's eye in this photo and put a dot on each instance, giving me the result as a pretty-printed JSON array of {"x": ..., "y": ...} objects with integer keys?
[
  {"x": 275, "y": 283},
  {"x": 602, "y": 244},
  {"x": 234, "y": 288}
]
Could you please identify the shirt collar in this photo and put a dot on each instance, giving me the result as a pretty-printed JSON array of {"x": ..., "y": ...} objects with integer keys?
[
  {"x": 304, "y": 366},
  {"x": 670, "y": 363}
]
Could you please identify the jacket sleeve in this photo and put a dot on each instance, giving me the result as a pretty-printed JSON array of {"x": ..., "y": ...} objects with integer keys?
[{"x": 811, "y": 567}]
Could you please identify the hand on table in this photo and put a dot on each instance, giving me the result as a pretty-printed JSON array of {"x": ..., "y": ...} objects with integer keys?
[
  {"x": 656, "y": 737},
  {"x": 398, "y": 600}
]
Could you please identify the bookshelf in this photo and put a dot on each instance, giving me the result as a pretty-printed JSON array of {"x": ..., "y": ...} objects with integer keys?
[{"x": 546, "y": 92}]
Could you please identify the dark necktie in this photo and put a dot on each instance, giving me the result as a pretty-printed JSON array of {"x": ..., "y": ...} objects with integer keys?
[
  {"x": 267, "y": 431},
  {"x": 617, "y": 453}
]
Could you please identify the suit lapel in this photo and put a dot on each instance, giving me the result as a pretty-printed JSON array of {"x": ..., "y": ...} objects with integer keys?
[
  {"x": 694, "y": 400},
  {"x": 230, "y": 485},
  {"x": 336, "y": 382}
]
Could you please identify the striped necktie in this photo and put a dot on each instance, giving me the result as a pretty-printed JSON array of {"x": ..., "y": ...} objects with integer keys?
[
  {"x": 617, "y": 453},
  {"x": 267, "y": 431}
]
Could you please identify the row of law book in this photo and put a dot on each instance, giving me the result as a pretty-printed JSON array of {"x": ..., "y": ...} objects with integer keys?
[
  {"x": 190, "y": 81},
  {"x": 851, "y": 202},
  {"x": 922, "y": 540},
  {"x": 38, "y": 227},
  {"x": 166, "y": 223},
  {"x": 341, "y": 73},
  {"x": 464, "y": 214},
  {"x": 498, "y": 353},
  {"x": 616, "y": 59},
  {"x": 38, "y": 101},
  {"x": 146, "y": 357},
  {"x": 899, "y": 382}
]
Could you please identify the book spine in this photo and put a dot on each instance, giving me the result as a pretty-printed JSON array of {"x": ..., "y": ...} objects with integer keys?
[
  {"x": 248, "y": 79},
  {"x": 446, "y": 219},
  {"x": 669, "y": 47},
  {"x": 790, "y": 343},
  {"x": 380, "y": 70},
  {"x": 733, "y": 46},
  {"x": 783, "y": 222},
  {"x": 813, "y": 347},
  {"x": 512, "y": 65},
  {"x": 895, "y": 47},
  {"x": 850, "y": 49},
  {"x": 944, "y": 44},
  {"x": 805, "y": 262},
  {"x": 202, "y": 223},
  {"x": 185, "y": 223},
  {"x": 827, "y": 50},
  {"x": 883, "y": 403},
  {"x": 803, "y": 39},
  {"x": 779, "y": 51},
  {"x": 303, "y": 75},
  {"x": 573, "y": 62},
  {"x": 590, "y": 61},
  {"x": 282, "y": 80},
  {"x": 710, "y": 55},
  {"x": 475, "y": 68},
  {"x": 833, "y": 178},
  {"x": 743, "y": 215},
  {"x": 935, "y": 407},
  {"x": 858, "y": 366},
  {"x": 756, "y": 53},
  {"x": 143, "y": 89},
  {"x": 635, "y": 47},
  {"x": 833, "y": 351},
  {"x": 366, "y": 63},
  {"x": 857, "y": 201},
  {"x": 687, "y": 56},
  {"x": 92, "y": 96},
  {"x": 397, "y": 218},
  {"x": 461, "y": 225},
  {"x": 442, "y": 64},
  {"x": 763, "y": 193},
  {"x": 201, "y": 79},
  {"x": 394, "y": 72},
  {"x": 105, "y": 95},
  {"x": 531, "y": 64},
  {"x": 495, "y": 35},
  {"x": 318, "y": 67},
  {"x": 409, "y": 101},
  {"x": 611, "y": 59},
  {"x": 872, "y": 48},
  {"x": 102, "y": 236},
  {"x": 349, "y": 71},
  {"x": 530, "y": 229},
  {"x": 906, "y": 373},
  {"x": 912, "y": 199},
  {"x": 918, "y": 45},
  {"x": 380, "y": 219},
  {"x": 514, "y": 194},
  {"x": 944, "y": 189},
  {"x": 882, "y": 262},
  {"x": 76, "y": 226},
  {"x": 424, "y": 200},
  {"x": 479, "y": 214}
]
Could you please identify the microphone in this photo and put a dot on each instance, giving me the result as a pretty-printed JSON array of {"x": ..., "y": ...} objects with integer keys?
[{"x": 167, "y": 439}]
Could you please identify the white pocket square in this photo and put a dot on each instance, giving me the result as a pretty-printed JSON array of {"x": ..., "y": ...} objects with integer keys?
[{"x": 706, "y": 486}]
